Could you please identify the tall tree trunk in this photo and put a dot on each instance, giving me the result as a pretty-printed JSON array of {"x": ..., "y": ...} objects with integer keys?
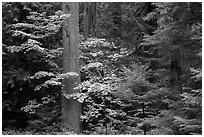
[
  {"x": 117, "y": 18},
  {"x": 93, "y": 18},
  {"x": 70, "y": 38},
  {"x": 90, "y": 19},
  {"x": 86, "y": 20}
]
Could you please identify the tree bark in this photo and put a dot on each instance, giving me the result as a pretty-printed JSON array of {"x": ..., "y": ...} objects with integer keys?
[
  {"x": 86, "y": 20},
  {"x": 90, "y": 19},
  {"x": 70, "y": 39},
  {"x": 93, "y": 19},
  {"x": 117, "y": 18}
]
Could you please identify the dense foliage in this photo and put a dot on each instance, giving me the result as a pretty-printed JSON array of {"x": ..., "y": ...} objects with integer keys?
[{"x": 141, "y": 74}]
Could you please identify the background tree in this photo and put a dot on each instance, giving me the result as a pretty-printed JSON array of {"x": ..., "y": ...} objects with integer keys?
[
  {"x": 90, "y": 19},
  {"x": 176, "y": 42}
]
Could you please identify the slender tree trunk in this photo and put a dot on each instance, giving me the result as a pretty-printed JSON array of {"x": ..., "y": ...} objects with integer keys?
[
  {"x": 90, "y": 19},
  {"x": 70, "y": 34},
  {"x": 86, "y": 20},
  {"x": 117, "y": 15},
  {"x": 93, "y": 19}
]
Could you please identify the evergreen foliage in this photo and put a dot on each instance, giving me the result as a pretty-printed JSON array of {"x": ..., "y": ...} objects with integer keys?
[{"x": 140, "y": 74}]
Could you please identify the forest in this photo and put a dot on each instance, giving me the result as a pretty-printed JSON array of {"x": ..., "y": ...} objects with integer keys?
[{"x": 102, "y": 68}]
